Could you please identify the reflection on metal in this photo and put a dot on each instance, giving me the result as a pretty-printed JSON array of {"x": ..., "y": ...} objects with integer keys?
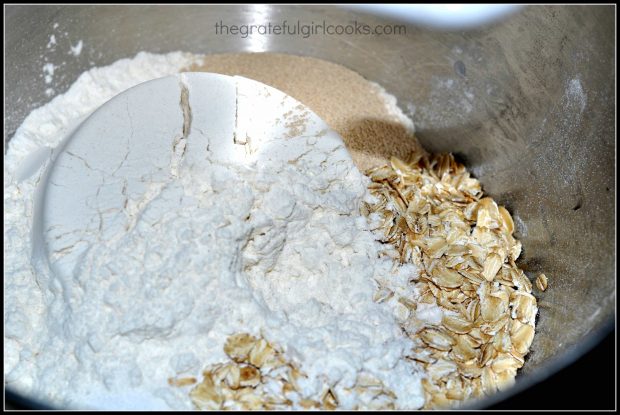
[
  {"x": 258, "y": 15},
  {"x": 442, "y": 16}
]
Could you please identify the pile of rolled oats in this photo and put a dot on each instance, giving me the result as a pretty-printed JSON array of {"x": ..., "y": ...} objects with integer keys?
[
  {"x": 433, "y": 213},
  {"x": 258, "y": 377}
]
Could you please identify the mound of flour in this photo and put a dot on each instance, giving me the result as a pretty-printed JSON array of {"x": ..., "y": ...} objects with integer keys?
[{"x": 279, "y": 250}]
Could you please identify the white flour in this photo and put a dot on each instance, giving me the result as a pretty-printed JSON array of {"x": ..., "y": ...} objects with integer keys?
[
  {"x": 77, "y": 49},
  {"x": 279, "y": 251}
]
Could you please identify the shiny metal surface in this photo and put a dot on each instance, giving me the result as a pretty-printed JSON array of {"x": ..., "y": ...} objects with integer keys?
[{"x": 527, "y": 103}]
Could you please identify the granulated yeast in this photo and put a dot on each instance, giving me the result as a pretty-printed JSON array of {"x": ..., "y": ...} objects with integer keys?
[{"x": 372, "y": 126}]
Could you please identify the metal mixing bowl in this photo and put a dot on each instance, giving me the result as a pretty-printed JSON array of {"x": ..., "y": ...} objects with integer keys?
[{"x": 527, "y": 103}]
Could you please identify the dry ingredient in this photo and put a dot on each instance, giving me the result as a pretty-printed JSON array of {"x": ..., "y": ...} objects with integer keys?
[
  {"x": 541, "y": 282},
  {"x": 259, "y": 377},
  {"x": 37, "y": 360},
  {"x": 446, "y": 276},
  {"x": 433, "y": 213}
]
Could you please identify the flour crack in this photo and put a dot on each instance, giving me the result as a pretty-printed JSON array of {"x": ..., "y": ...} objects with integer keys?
[{"x": 179, "y": 144}]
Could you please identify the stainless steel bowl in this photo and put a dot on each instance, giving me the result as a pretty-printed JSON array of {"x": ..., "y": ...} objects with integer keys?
[{"x": 527, "y": 103}]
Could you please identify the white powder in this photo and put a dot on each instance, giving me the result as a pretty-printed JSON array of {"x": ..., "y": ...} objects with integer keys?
[
  {"x": 48, "y": 71},
  {"x": 276, "y": 248},
  {"x": 77, "y": 49},
  {"x": 52, "y": 42}
]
